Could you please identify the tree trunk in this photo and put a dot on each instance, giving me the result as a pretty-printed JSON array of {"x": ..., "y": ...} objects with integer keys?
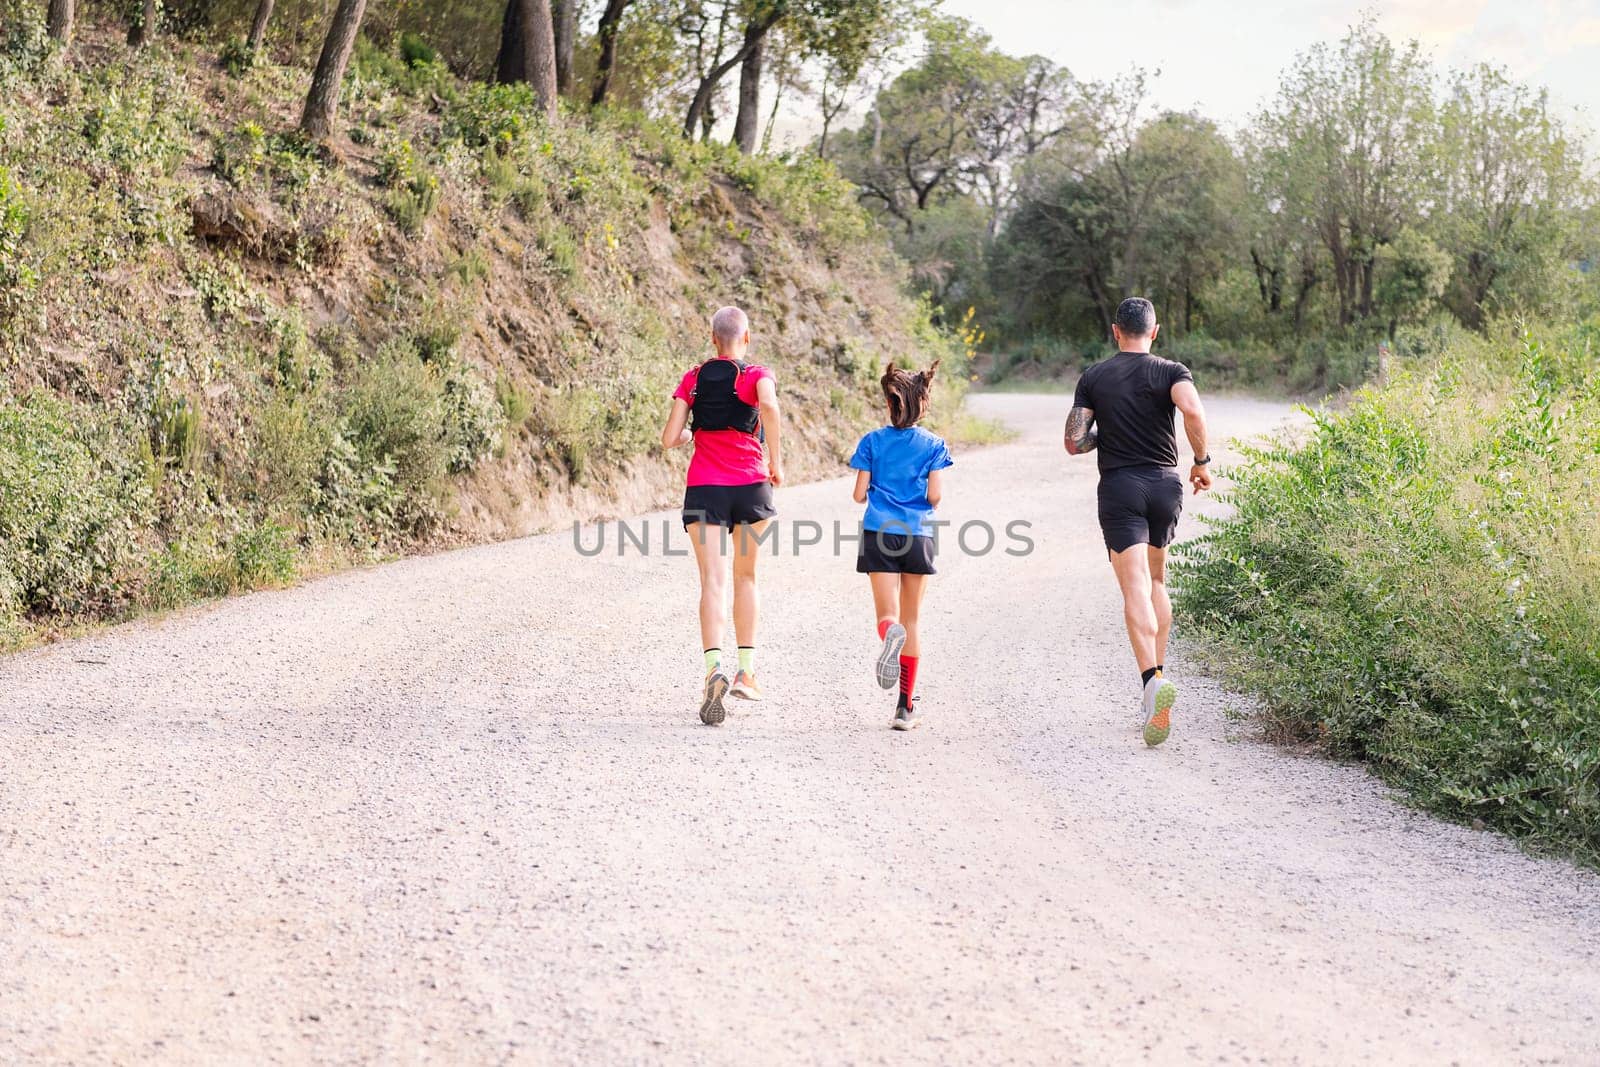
[
  {"x": 564, "y": 14},
  {"x": 322, "y": 102},
  {"x": 608, "y": 49},
  {"x": 258, "y": 28},
  {"x": 143, "y": 27},
  {"x": 60, "y": 20},
  {"x": 749, "y": 117},
  {"x": 512, "y": 64},
  {"x": 528, "y": 50},
  {"x": 753, "y": 35}
]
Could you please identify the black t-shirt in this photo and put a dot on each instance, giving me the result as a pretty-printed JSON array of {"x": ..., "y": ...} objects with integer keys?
[{"x": 1131, "y": 397}]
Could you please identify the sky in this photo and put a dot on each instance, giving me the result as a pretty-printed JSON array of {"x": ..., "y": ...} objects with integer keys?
[{"x": 1223, "y": 57}]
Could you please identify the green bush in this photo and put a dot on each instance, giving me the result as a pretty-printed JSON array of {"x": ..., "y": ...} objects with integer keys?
[
  {"x": 17, "y": 277},
  {"x": 1418, "y": 585},
  {"x": 237, "y": 57},
  {"x": 394, "y": 414},
  {"x": 72, "y": 503},
  {"x": 416, "y": 52}
]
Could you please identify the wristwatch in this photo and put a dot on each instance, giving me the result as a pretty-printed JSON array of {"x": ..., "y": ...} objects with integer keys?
[{"x": 1198, "y": 462}]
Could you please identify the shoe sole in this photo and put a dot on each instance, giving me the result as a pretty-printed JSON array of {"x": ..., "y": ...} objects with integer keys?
[
  {"x": 744, "y": 694},
  {"x": 889, "y": 659},
  {"x": 1159, "y": 726},
  {"x": 711, "y": 710}
]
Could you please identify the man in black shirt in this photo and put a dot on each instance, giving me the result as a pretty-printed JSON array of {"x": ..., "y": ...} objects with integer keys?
[{"x": 1124, "y": 409}]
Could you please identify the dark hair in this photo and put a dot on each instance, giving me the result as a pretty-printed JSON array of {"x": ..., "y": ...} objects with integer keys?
[
  {"x": 1136, "y": 317},
  {"x": 907, "y": 393}
]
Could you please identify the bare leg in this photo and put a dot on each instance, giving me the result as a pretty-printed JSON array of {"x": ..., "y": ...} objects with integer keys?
[
  {"x": 711, "y": 554},
  {"x": 912, "y": 587},
  {"x": 746, "y": 598},
  {"x": 1160, "y": 601},
  {"x": 1132, "y": 568},
  {"x": 886, "y": 596}
]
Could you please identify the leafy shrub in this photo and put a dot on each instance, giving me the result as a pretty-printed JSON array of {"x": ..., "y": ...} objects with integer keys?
[
  {"x": 237, "y": 57},
  {"x": 17, "y": 277},
  {"x": 493, "y": 117},
  {"x": 72, "y": 502},
  {"x": 472, "y": 417},
  {"x": 394, "y": 414},
  {"x": 416, "y": 52},
  {"x": 411, "y": 205},
  {"x": 290, "y": 443},
  {"x": 23, "y": 41},
  {"x": 1418, "y": 585},
  {"x": 201, "y": 567},
  {"x": 240, "y": 156},
  {"x": 175, "y": 433}
]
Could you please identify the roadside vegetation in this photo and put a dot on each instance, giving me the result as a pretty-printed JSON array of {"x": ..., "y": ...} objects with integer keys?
[
  {"x": 1417, "y": 584},
  {"x": 234, "y": 353}
]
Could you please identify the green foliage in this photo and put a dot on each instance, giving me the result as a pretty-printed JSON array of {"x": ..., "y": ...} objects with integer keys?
[
  {"x": 24, "y": 44},
  {"x": 203, "y": 566},
  {"x": 237, "y": 57},
  {"x": 72, "y": 506},
  {"x": 240, "y": 155},
  {"x": 1416, "y": 585},
  {"x": 17, "y": 277},
  {"x": 415, "y": 52}
]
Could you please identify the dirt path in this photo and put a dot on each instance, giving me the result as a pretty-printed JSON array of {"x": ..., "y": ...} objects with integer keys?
[{"x": 460, "y": 810}]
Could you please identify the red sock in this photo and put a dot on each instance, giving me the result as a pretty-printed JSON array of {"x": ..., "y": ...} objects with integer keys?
[
  {"x": 883, "y": 627},
  {"x": 908, "y": 677}
]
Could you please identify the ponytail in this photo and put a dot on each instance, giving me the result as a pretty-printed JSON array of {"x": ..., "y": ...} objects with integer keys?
[{"x": 907, "y": 393}]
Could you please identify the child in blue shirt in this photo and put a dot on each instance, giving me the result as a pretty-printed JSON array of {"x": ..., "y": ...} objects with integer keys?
[{"x": 897, "y": 477}]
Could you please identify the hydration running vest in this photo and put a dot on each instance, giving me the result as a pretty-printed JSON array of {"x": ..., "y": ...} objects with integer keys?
[{"x": 715, "y": 403}]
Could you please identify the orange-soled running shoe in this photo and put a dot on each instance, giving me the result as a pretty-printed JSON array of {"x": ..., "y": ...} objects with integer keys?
[
  {"x": 745, "y": 687},
  {"x": 1160, "y": 696},
  {"x": 711, "y": 710}
]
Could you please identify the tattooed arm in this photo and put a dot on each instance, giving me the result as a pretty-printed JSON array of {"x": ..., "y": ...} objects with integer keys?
[{"x": 1079, "y": 437}]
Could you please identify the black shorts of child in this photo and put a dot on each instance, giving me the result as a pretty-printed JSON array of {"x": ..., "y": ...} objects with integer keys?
[
  {"x": 883, "y": 552},
  {"x": 728, "y": 505},
  {"x": 1140, "y": 505}
]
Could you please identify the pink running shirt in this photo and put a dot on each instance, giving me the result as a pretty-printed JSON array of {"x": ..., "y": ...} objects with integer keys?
[{"x": 726, "y": 457}]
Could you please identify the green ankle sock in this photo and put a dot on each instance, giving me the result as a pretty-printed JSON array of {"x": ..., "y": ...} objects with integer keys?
[
  {"x": 713, "y": 659},
  {"x": 747, "y": 659}
]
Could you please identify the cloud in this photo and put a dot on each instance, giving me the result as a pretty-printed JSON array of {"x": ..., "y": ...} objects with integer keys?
[
  {"x": 1439, "y": 23},
  {"x": 1570, "y": 25}
]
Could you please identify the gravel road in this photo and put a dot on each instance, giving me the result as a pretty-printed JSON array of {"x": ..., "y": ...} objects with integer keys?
[{"x": 460, "y": 809}]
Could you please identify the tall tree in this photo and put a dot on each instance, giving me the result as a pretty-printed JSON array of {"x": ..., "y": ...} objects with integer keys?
[
  {"x": 748, "y": 119},
  {"x": 610, "y": 20},
  {"x": 143, "y": 27},
  {"x": 528, "y": 50},
  {"x": 59, "y": 23},
  {"x": 1509, "y": 193},
  {"x": 258, "y": 27},
  {"x": 1348, "y": 147},
  {"x": 322, "y": 102},
  {"x": 764, "y": 16},
  {"x": 564, "y": 13}
]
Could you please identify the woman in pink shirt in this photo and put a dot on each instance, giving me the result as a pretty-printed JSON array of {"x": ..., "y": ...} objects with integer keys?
[{"x": 736, "y": 464}]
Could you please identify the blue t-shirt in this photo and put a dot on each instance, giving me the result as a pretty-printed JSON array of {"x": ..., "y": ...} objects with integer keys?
[{"x": 900, "y": 462}]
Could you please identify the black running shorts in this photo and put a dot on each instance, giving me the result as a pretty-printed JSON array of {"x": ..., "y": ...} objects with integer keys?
[
  {"x": 882, "y": 552},
  {"x": 728, "y": 505},
  {"x": 1140, "y": 505}
]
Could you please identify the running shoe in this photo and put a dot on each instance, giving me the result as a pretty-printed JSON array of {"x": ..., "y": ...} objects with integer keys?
[
  {"x": 906, "y": 717},
  {"x": 745, "y": 687},
  {"x": 894, "y": 639},
  {"x": 711, "y": 710},
  {"x": 1159, "y": 697}
]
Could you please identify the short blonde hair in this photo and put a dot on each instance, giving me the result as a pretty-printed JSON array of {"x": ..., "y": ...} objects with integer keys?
[{"x": 729, "y": 324}]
